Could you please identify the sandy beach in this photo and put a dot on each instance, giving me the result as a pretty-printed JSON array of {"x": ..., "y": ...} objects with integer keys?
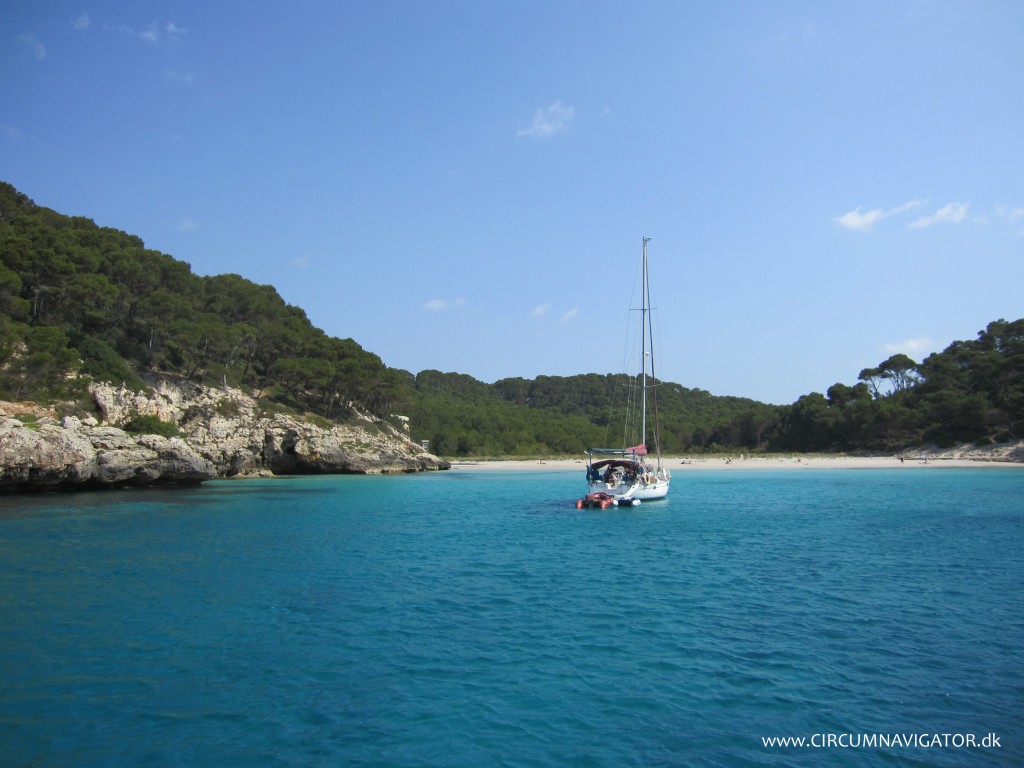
[{"x": 680, "y": 465}]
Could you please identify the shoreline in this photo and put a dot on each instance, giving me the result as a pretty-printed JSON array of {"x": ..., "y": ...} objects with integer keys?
[{"x": 683, "y": 464}]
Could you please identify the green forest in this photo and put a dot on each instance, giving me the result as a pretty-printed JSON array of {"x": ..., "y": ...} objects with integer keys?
[{"x": 82, "y": 302}]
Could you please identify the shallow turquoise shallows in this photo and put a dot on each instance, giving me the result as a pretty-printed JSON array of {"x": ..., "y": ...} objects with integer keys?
[{"x": 479, "y": 619}]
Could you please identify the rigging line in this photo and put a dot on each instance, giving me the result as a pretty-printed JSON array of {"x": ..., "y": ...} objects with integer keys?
[
  {"x": 654, "y": 377},
  {"x": 654, "y": 403},
  {"x": 629, "y": 425}
]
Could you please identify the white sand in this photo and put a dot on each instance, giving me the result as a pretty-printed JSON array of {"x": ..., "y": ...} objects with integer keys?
[{"x": 681, "y": 465}]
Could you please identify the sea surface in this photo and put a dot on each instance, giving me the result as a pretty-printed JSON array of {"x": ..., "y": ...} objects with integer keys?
[{"x": 479, "y": 619}]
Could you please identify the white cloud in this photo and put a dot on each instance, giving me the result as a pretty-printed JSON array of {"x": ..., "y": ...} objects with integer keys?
[
  {"x": 951, "y": 212},
  {"x": 541, "y": 310},
  {"x": 907, "y": 206},
  {"x": 1006, "y": 213},
  {"x": 178, "y": 78},
  {"x": 150, "y": 35},
  {"x": 807, "y": 30},
  {"x": 187, "y": 225},
  {"x": 865, "y": 222},
  {"x": 1015, "y": 214},
  {"x": 570, "y": 314},
  {"x": 35, "y": 47},
  {"x": 443, "y": 305},
  {"x": 81, "y": 23},
  {"x": 860, "y": 222},
  {"x": 155, "y": 34},
  {"x": 547, "y": 122},
  {"x": 917, "y": 349}
]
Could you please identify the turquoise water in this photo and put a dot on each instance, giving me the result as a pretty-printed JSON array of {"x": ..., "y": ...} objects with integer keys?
[{"x": 478, "y": 619}]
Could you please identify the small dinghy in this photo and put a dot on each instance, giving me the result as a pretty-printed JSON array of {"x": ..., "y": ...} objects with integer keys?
[
  {"x": 595, "y": 501},
  {"x": 604, "y": 501}
]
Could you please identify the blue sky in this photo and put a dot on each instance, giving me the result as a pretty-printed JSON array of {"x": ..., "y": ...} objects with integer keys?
[{"x": 465, "y": 185}]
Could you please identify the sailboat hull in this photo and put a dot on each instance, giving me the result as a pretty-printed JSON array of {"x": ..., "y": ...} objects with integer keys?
[
  {"x": 656, "y": 491},
  {"x": 653, "y": 485}
]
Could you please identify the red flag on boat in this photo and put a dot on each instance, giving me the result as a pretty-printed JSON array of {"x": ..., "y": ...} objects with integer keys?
[{"x": 639, "y": 450}]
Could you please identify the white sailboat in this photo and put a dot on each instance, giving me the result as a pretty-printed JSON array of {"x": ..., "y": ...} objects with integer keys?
[{"x": 629, "y": 475}]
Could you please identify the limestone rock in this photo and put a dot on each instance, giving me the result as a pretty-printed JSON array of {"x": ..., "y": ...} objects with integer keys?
[
  {"x": 223, "y": 433},
  {"x": 72, "y": 455}
]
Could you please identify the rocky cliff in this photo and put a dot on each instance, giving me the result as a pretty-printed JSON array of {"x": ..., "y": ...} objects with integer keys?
[{"x": 222, "y": 433}]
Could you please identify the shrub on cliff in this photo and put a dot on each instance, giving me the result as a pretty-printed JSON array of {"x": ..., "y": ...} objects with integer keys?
[{"x": 141, "y": 424}]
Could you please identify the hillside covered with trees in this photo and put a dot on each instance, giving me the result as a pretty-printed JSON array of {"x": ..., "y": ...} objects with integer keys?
[
  {"x": 76, "y": 297},
  {"x": 80, "y": 301}
]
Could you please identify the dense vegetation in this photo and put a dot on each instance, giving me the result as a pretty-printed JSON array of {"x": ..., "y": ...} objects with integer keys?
[
  {"x": 78, "y": 297},
  {"x": 556, "y": 414},
  {"x": 79, "y": 301},
  {"x": 973, "y": 391}
]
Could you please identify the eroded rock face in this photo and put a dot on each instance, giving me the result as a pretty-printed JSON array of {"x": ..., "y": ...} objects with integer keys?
[
  {"x": 295, "y": 448},
  {"x": 224, "y": 434},
  {"x": 44, "y": 455}
]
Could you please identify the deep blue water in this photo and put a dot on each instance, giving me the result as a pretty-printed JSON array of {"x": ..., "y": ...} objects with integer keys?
[{"x": 479, "y": 619}]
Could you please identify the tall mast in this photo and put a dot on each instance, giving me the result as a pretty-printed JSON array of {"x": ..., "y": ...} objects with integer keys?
[
  {"x": 644, "y": 294},
  {"x": 649, "y": 330}
]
